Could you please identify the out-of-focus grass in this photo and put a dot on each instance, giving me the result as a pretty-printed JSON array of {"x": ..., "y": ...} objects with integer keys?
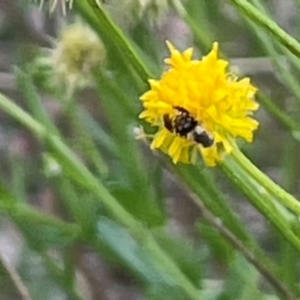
[{"x": 107, "y": 198}]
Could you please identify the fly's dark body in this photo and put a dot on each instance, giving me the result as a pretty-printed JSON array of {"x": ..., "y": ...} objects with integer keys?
[{"x": 184, "y": 125}]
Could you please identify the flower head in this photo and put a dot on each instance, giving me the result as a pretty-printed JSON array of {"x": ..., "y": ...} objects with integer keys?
[
  {"x": 129, "y": 12},
  {"x": 78, "y": 52},
  {"x": 199, "y": 107},
  {"x": 54, "y": 3},
  {"x": 70, "y": 65}
]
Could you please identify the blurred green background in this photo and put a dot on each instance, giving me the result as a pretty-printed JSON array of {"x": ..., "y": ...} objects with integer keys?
[{"x": 62, "y": 235}]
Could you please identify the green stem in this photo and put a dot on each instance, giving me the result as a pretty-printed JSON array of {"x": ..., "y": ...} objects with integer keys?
[
  {"x": 84, "y": 141},
  {"x": 203, "y": 36},
  {"x": 211, "y": 201},
  {"x": 268, "y": 44},
  {"x": 261, "y": 198},
  {"x": 27, "y": 88},
  {"x": 281, "y": 116},
  {"x": 213, "y": 198},
  {"x": 15, "y": 278},
  {"x": 264, "y": 22},
  {"x": 288, "y": 255},
  {"x": 58, "y": 275},
  {"x": 261, "y": 262},
  {"x": 263, "y": 8},
  {"x": 264, "y": 181},
  {"x": 75, "y": 169},
  {"x": 103, "y": 24}
]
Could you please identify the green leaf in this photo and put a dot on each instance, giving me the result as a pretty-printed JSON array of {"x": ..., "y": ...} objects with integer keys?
[
  {"x": 242, "y": 282},
  {"x": 131, "y": 254},
  {"x": 189, "y": 258},
  {"x": 220, "y": 248}
]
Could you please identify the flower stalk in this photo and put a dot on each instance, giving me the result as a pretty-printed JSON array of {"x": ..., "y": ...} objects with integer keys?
[
  {"x": 107, "y": 29},
  {"x": 265, "y": 182},
  {"x": 262, "y": 193},
  {"x": 269, "y": 25}
]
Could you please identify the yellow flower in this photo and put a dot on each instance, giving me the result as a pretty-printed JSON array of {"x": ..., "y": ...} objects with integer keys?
[{"x": 199, "y": 107}]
